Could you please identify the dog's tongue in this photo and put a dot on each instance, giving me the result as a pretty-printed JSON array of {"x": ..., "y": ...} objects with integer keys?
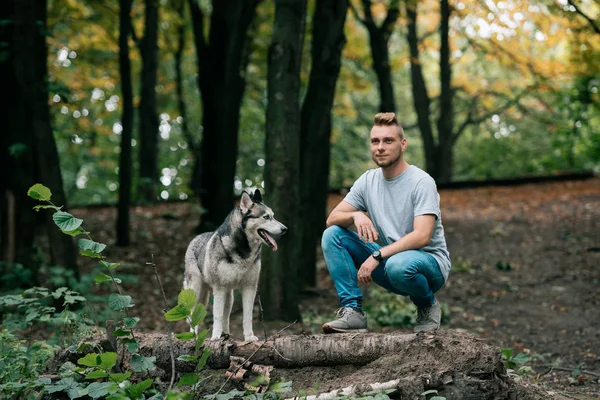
[{"x": 272, "y": 241}]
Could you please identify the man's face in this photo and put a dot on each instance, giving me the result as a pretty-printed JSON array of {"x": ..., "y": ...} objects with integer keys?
[{"x": 386, "y": 146}]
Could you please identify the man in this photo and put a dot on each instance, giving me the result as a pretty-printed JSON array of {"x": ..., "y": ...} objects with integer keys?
[{"x": 404, "y": 213}]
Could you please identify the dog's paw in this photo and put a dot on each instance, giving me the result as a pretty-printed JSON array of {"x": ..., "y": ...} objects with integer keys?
[{"x": 250, "y": 338}]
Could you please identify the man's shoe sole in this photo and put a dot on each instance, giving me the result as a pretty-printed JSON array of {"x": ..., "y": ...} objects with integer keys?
[{"x": 330, "y": 329}]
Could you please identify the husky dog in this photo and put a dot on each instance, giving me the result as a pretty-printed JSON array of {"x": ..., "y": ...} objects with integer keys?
[{"x": 229, "y": 258}]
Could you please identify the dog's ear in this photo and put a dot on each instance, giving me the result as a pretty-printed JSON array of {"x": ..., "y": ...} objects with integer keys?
[
  {"x": 257, "y": 196},
  {"x": 245, "y": 202}
]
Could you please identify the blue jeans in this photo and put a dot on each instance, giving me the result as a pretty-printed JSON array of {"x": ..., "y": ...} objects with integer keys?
[{"x": 413, "y": 273}]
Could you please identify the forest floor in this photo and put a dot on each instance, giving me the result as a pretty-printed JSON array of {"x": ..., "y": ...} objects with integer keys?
[{"x": 525, "y": 275}]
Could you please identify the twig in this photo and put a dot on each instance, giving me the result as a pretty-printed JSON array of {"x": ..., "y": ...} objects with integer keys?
[
  {"x": 170, "y": 334},
  {"x": 567, "y": 369},
  {"x": 249, "y": 357}
]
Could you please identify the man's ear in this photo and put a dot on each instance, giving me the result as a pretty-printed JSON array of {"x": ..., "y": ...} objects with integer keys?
[
  {"x": 245, "y": 202},
  {"x": 257, "y": 196}
]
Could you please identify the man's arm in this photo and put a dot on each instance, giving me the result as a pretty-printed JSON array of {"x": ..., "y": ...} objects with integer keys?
[
  {"x": 342, "y": 215},
  {"x": 417, "y": 239}
]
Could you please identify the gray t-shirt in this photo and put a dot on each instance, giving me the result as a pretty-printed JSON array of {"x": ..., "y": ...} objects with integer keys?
[{"x": 393, "y": 204}]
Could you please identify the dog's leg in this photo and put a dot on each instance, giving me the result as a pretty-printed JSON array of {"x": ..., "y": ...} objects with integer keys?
[
  {"x": 248, "y": 294},
  {"x": 219, "y": 298},
  {"x": 227, "y": 311}
]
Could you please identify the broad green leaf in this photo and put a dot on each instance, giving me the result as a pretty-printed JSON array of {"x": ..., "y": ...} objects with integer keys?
[
  {"x": 120, "y": 377},
  {"x": 185, "y": 336},
  {"x": 140, "y": 363},
  {"x": 200, "y": 339},
  {"x": 96, "y": 374},
  {"x": 108, "y": 360},
  {"x": 132, "y": 345},
  {"x": 130, "y": 322},
  {"x": 101, "y": 278},
  {"x": 188, "y": 379},
  {"x": 39, "y": 192},
  {"x": 90, "y": 254},
  {"x": 90, "y": 360},
  {"x": 187, "y": 357},
  {"x": 121, "y": 332},
  {"x": 203, "y": 359},
  {"x": 281, "y": 387},
  {"x": 72, "y": 298},
  {"x": 44, "y": 207},
  {"x": 177, "y": 313},
  {"x": 118, "y": 302},
  {"x": 65, "y": 221},
  {"x": 78, "y": 231},
  {"x": 187, "y": 298},
  {"x": 87, "y": 244},
  {"x": 137, "y": 390},
  {"x": 520, "y": 358},
  {"x": 97, "y": 390},
  {"x": 198, "y": 315},
  {"x": 109, "y": 265}
]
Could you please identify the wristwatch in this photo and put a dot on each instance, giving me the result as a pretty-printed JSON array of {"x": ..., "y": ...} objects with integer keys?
[{"x": 377, "y": 255}]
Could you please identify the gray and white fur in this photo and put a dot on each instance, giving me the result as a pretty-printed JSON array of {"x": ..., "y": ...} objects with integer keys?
[{"x": 229, "y": 259}]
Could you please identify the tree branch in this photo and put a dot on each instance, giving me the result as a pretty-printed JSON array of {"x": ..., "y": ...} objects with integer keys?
[
  {"x": 355, "y": 13},
  {"x": 592, "y": 22},
  {"x": 390, "y": 20}
]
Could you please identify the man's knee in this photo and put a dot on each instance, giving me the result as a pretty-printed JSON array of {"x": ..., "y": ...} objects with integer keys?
[
  {"x": 401, "y": 270},
  {"x": 331, "y": 235}
]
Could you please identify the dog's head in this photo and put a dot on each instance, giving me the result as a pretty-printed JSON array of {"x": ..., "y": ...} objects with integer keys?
[{"x": 258, "y": 219}]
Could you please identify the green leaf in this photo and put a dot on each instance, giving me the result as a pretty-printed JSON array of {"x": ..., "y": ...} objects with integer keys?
[
  {"x": 39, "y": 192},
  {"x": 96, "y": 374},
  {"x": 90, "y": 360},
  {"x": 188, "y": 379},
  {"x": 90, "y": 254},
  {"x": 187, "y": 357},
  {"x": 198, "y": 315},
  {"x": 130, "y": 322},
  {"x": 90, "y": 245},
  {"x": 121, "y": 332},
  {"x": 140, "y": 363},
  {"x": 132, "y": 345},
  {"x": 118, "y": 302},
  {"x": 108, "y": 360},
  {"x": 65, "y": 221},
  {"x": 109, "y": 265},
  {"x": 177, "y": 313},
  {"x": 203, "y": 359},
  {"x": 101, "y": 389},
  {"x": 185, "y": 336},
  {"x": 120, "y": 377},
  {"x": 281, "y": 387},
  {"x": 44, "y": 207},
  {"x": 78, "y": 231},
  {"x": 137, "y": 390},
  {"x": 101, "y": 278},
  {"x": 200, "y": 339},
  {"x": 520, "y": 358},
  {"x": 187, "y": 298}
]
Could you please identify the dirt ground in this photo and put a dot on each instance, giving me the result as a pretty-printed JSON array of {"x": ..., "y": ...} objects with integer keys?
[{"x": 525, "y": 273}]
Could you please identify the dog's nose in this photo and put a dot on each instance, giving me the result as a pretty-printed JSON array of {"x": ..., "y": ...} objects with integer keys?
[{"x": 283, "y": 229}]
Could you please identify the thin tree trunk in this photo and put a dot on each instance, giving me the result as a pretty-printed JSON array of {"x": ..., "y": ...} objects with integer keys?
[
  {"x": 222, "y": 62},
  {"x": 279, "y": 278},
  {"x": 445, "y": 125},
  {"x": 125, "y": 159},
  {"x": 328, "y": 41},
  {"x": 148, "y": 152}
]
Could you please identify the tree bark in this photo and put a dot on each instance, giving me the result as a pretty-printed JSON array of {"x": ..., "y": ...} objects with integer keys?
[
  {"x": 445, "y": 125},
  {"x": 125, "y": 159},
  {"x": 328, "y": 41},
  {"x": 279, "y": 277},
  {"x": 222, "y": 61},
  {"x": 148, "y": 151}
]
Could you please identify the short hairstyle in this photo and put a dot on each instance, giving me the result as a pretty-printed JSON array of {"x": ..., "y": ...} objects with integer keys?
[{"x": 388, "y": 119}]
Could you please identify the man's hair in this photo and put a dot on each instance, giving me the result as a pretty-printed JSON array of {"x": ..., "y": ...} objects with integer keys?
[{"x": 388, "y": 119}]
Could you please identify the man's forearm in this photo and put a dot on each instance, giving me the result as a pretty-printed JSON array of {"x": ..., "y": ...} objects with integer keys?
[
  {"x": 411, "y": 241},
  {"x": 341, "y": 218}
]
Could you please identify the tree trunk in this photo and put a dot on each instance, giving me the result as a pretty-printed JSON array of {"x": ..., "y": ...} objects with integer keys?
[
  {"x": 29, "y": 142},
  {"x": 328, "y": 41},
  {"x": 222, "y": 62},
  {"x": 125, "y": 159},
  {"x": 421, "y": 99},
  {"x": 148, "y": 151},
  {"x": 445, "y": 125},
  {"x": 279, "y": 277}
]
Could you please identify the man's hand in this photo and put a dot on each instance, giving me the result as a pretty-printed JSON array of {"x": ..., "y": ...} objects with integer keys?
[
  {"x": 364, "y": 226},
  {"x": 364, "y": 273}
]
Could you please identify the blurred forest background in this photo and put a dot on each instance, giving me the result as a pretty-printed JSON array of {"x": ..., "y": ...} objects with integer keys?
[{"x": 136, "y": 102}]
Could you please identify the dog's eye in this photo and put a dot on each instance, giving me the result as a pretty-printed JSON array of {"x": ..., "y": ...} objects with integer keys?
[{"x": 267, "y": 217}]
